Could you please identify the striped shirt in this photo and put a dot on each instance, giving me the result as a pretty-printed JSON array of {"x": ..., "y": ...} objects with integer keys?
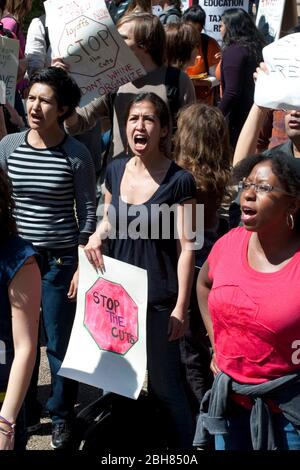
[{"x": 53, "y": 190}]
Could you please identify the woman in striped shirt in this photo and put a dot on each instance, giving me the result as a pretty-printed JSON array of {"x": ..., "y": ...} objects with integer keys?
[{"x": 54, "y": 192}]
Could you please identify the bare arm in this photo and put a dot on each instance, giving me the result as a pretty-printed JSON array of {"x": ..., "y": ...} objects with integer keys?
[
  {"x": 25, "y": 298},
  {"x": 246, "y": 144},
  {"x": 185, "y": 268},
  {"x": 86, "y": 117},
  {"x": 204, "y": 284},
  {"x": 93, "y": 247},
  {"x": 203, "y": 289}
]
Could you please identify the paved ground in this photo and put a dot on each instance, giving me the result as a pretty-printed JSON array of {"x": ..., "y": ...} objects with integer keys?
[{"x": 41, "y": 440}]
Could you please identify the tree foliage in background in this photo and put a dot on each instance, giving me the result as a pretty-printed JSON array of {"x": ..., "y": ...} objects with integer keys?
[{"x": 36, "y": 11}]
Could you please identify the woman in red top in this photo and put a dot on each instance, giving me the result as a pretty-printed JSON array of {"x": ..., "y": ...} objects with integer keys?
[{"x": 248, "y": 292}]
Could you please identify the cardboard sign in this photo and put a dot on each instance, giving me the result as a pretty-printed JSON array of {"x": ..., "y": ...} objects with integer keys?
[
  {"x": 214, "y": 10},
  {"x": 107, "y": 347},
  {"x": 269, "y": 18},
  {"x": 84, "y": 35},
  {"x": 279, "y": 89},
  {"x": 9, "y": 61}
]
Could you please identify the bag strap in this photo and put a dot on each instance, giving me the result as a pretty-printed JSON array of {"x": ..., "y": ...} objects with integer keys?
[
  {"x": 173, "y": 11},
  {"x": 111, "y": 100},
  {"x": 172, "y": 89},
  {"x": 47, "y": 40}
]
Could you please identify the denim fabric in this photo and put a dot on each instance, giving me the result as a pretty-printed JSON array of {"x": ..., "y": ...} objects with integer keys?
[
  {"x": 58, "y": 312},
  {"x": 239, "y": 437},
  {"x": 165, "y": 376}
]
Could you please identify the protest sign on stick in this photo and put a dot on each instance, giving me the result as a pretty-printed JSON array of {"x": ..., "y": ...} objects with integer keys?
[
  {"x": 9, "y": 53},
  {"x": 84, "y": 35},
  {"x": 279, "y": 89},
  {"x": 107, "y": 347}
]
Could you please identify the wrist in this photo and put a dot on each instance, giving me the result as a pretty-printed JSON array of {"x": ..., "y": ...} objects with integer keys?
[{"x": 7, "y": 428}]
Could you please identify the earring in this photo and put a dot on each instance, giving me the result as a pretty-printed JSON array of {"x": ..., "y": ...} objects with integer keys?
[{"x": 290, "y": 221}]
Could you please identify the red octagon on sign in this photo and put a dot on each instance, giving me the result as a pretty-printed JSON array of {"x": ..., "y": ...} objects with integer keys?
[{"x": 111, "y": 316}]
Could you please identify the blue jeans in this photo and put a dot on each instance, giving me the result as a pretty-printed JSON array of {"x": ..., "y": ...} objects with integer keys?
[
  {"x": 239, "y": 437},
  {"x": 58, "y": 312},
  {"x": 166, "y": 380}
]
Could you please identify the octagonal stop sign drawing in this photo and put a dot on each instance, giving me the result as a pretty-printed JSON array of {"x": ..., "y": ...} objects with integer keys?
[
  {"x": 87, "y": 41},
  {"x": 111, "y": 316}
]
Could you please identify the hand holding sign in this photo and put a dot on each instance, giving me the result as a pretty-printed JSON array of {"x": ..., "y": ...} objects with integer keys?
[{"x": 279, "y": 89}]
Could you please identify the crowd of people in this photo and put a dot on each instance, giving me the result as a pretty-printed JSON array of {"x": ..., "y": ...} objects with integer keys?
[{"x": 220, "y": 328}]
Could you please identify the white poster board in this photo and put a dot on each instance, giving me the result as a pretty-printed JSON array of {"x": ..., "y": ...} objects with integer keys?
[
  {"x": 9, "y": 61},
  {"x": 279, "y": 89},
  {"x": 269, "y": 18},
  {"x": 107, "y": 347},
  {"x": 214, "y": 10},
  {"x": 84, "y": 35}
]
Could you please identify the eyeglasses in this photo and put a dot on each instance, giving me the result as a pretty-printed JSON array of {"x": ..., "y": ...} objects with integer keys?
[{"x": 262, "y": 188}]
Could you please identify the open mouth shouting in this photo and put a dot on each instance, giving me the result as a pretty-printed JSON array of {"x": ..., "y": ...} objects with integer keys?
[
  {"x": 140, "y": 141},
  {"x": 248, "y": 214}
]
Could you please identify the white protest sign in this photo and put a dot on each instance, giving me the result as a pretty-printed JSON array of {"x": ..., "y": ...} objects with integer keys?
[
  {"x": 214, "y": 10},
  {"x": 107, "y": 347},
  {"x": 185, "y": 4},
  {"x": 9, "y": 61},
  {"x": 279, "y": 89},
  {"x": 84, "y": 35},
  {"x": 269, "y": 18}
]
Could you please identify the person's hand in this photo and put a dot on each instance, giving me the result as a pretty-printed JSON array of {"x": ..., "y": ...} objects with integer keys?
[
  {"x": 213, "y": 365},
  {"x": 6, "y": 442},
  {"x": 262, "y": 68},
  {"x": 58, "y": 62},
  {"x": 218, "y": 55},
  {"x": 177, "y": 324},
  {"x": 93, "y": 252},
  {"x": 72, "y": 294}
]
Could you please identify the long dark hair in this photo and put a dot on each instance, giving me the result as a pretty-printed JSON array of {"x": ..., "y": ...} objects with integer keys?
[
  {"x": 7, "y": 221},
  {"x": 241, "y": 29}
]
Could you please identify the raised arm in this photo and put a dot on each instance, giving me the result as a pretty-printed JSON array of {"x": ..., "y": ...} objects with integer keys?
[{"x": 247, "y": 142}]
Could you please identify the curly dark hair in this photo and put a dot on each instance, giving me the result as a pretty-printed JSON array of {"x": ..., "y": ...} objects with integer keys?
[
  {"x": 287, "y": 170},
  {"x": 241, "y": 29},
  {"x": 7, "y": 221}
]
